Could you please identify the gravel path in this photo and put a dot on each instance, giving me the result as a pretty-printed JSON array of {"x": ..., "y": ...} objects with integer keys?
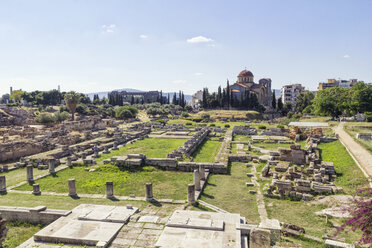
[{"x": 361, "y": 155}]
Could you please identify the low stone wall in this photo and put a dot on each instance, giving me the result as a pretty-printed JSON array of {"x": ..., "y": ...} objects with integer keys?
[
  {"x": 166, "y": 163},
  {"x": 239, "y": 158},
  {"x": 37, "y": 215},
  {"x": 364, "y": 136},
  {"x": 217, "y": 168}
]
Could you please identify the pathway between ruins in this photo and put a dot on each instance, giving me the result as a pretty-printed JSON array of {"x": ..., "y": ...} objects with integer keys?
[
  {"x": 361, "y": 155},
  {"x": 260, "y": 198}
]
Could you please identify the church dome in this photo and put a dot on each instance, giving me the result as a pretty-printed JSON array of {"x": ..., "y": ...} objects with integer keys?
[{"x": 245, "y": 73}]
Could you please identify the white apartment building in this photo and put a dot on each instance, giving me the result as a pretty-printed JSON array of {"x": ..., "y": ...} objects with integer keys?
[
  {"x": 197, "y": 99},
  {"x": 290, "y": 92}
]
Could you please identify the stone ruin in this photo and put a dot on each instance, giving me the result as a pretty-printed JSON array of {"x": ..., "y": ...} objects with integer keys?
[
  {"x": 190, "y": 145},
  {"x": 299, "y": 174},
  {"x": 276, "y": 132},
  {"x": 244, "y": 130}
]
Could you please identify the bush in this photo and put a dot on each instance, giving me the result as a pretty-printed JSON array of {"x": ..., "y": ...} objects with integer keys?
[
  {"x": 290, "y": 115},
  {"x": 212, "y": 125},
  {"x": 280, "y": 126},
  {"x": 82, "y": 109},
  {"x": 368, "y": 116},
  {"x": 206, "y": 116},
  {"x": 49, "y": 109},
  {"x": 126, "y": 112},
  {"x": 203, "y": 124},
  {"x": 188, "y": 124},
  {"x": 61, "y": 116},
  {"x": 261, "y": 127},
  {"x": 123, "y": 114},
  {"x": 185, "y": 114},
  {"x": 63, "y": 108},
  {"x": 227, "y": 125},
  {"x": 45, "y": 118},
  {"x": 197, "y": 119}
]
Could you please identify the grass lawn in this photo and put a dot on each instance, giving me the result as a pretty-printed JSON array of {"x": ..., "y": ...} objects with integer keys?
[
  {"x": 352, "y": 128},
  {"x": 19, "y": 232},
  {"x": 303, "y": 214},
  {"x": 271, "y": 146},
  {"x": 230, "y": 193},
  {"x": 244, "y": 138},
  {"x": 207, "y": 151},
  {"x": 349, "y": 176},
  {"x": 19, "y": 175},
  {"x": 151, "y": 147},
  {"x": 166, "y": 184}
]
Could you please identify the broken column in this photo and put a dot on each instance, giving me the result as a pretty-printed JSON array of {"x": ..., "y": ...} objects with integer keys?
[
  {"x": 202, "y": 172},
  {"x": 30, "y": 173},
  {"x": 191, "y": 194},
  {"x": 69, "y": 162},
  {"x": 106, "y": 150},
  {"x": 197, "y": 180},
  {"x": 52, "y": 166},
  {"x": 109, "y": 189},
  {"x": 36, "y": 189},
  {"x": 2, "y": 184},
  {"x": 72, "y": 188},
  {"x": 149, "y": 194}
]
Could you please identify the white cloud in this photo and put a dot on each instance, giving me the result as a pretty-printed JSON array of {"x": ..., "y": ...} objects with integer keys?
[
  {"x": 198, "y": 73},
  {"x": 109, "y": 28},
  {"x": 179, "y": 81},
  {"x": 346, "y": 56},
  {"x": 143, "y": 36},
  {"x": 199, "y": 39}
]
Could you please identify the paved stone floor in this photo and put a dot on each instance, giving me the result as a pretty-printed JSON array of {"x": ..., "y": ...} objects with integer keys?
[{"x": 144, "y": 234}]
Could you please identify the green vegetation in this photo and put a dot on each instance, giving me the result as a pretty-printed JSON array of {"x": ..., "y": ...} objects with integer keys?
[
  {"x": 166, "y": 184},
  {"x": 19, "y": 175},
  {"x": 207, "y": 151},
  {"x": 19, "y": 232},
  {"x": 349, "y": 176},
  {"x": 126, "y": 112},
  {"x": 230, "y": 193},
  {"x": 302, "y": 214},
  {"x": 151, "y": 147},
  {"x": 271, "y": 146},
  {"x": 72, "y": 100},
  {"x": 58, "y": 116},
  {"x": 243, "y": 138}
]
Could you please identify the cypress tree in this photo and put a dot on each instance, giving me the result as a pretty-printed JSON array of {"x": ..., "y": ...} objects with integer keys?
[{"x": 273, "y": 100}]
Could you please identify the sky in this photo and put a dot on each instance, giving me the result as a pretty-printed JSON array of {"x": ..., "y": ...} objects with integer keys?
[{"x": 93, "y": 46}]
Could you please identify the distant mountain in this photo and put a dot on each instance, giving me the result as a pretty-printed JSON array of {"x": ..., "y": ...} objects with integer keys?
[{"x": 105, "y": 94}]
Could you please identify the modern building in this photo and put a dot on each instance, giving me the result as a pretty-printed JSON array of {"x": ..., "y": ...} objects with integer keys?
[
  {"x": 197, "y": 99},
  {"x": 139, "y": 97},
  {"x": 289, "y": 93},
  {"x": 337, "y": 83},
  {"x": 245, "y": 83}
]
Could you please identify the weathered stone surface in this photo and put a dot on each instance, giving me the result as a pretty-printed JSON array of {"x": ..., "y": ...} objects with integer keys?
[{"x": 259, "y": 238}]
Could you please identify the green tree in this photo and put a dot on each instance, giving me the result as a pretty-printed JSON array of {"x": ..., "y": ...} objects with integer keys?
[
  {"x": 72, "y": 100},
  {"x": 332, "y": 101},
  {"x": 280, "y": 103},
  {"x": 16, "y": 95},
  {"x": 361, "y": 98},
  {"x": 273, "y": 100},
  {"x": 303, "y": 100}
]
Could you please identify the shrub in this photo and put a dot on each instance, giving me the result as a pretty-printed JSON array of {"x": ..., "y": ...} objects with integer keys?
[
  {"x": 161, "y": 121},
  {"x": 206, "y": 116},
  {"x": 197, "y": 119},
  {"x": 280, "y": 126},
  {"x": 61, "y": 116},
  {"x": 188, "y": 124},
  {"x": 63, "y": 108},
  {"x": 123, "y": 114},
  {"x": 82, "y": 109},
  {"x": 212, "y": 125},
  {"x": 290, "y": 114},
  {"x": 203, "y": 124},
  {"x": 184, "y": 114},
  {"x": 368, "y": 116},
  {"x": 227, "y": 125},
  {"x": 126, "y": 112},
  {"x": 45, "y": 118},
  {"x": 261, "y": 127},
  {"x": 49, "y": 109}
]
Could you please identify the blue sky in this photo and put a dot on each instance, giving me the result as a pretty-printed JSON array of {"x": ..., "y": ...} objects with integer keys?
[{"x": 91, "y": 46}]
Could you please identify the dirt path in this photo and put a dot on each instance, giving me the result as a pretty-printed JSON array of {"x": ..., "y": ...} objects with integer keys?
[{"x": 358, "y": 152}]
